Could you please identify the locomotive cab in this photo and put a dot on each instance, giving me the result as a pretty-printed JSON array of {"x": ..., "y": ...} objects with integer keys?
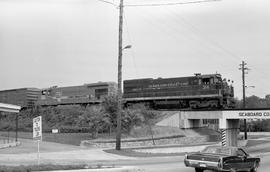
[
  {"x": 210, "y": 79},
  {"x": 213, "y": 85}
]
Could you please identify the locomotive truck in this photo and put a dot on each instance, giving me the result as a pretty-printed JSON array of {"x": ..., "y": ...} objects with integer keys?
[{"x": 193, "y": 92}]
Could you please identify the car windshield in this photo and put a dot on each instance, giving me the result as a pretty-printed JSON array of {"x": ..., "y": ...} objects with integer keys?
[{"x": 218, "y": 150}]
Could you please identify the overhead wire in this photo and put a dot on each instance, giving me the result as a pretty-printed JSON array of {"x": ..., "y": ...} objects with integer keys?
[
  {"x": 171, "y": 32},
  {"x": 168, "y": 30},
  {"x": 108, "y": 2},
  {"x": 194, "y": 33},
  {"x": 191, "y": 26},
  {"x": 176, "y": 32},
  {"x": 131, "y": 42},
  {"x": 162, "y": 28},
  {"x": 258, "y": 70},
  {"x": 169, "y": 4},
  {"x": 231, "y": 54},
  {"x": 165, "y": 4},
  {"x": 180, "y": 3},
  {"x": 194, "y": 29},
  {"x": 214, "y": 43},
  {"x": 207, "y": 44}
]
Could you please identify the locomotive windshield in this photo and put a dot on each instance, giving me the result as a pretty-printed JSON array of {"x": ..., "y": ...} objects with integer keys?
[
  {"x": 210, "y": 79},
  {"x": 206, "y": 81}
]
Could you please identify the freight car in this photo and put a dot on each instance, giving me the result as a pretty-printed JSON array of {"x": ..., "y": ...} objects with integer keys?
[
  {"x": 82, "y": 94},
  {"x": 199, "y": 91},
  {"x": 24, "y": 97}
]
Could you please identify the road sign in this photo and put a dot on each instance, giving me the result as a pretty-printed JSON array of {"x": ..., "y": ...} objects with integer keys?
[
  {"x": 54, "y": 131},
  {"x": 37, "y": 128}
]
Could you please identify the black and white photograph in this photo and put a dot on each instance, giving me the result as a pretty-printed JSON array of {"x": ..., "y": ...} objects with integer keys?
[{"x": 134, "y": 85}]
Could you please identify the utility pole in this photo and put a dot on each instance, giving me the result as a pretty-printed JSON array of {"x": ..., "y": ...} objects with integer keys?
[
  {"x": 119, "y": 91},
  {"x": 243, "y": 68}
]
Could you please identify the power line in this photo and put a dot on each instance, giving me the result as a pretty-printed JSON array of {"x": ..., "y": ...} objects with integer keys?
[
  {"x": 169, "y": 4},
  {"x": 108, "y": 2},
  {"x": 163, "y": 28},
  {"x": 130, "y": 42},
  {"x": 201, "y": 36},
  {"x": 197, "y": 31}
]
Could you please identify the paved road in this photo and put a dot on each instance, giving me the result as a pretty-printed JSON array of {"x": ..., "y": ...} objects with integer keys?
[
  {"x": 57, "y": 154},
  {"x": 177, "y": 165}
]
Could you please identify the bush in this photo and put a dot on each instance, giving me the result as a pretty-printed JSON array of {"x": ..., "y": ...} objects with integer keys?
[
  {"x": 93, "y": 119},
  {"x": 256, "y": 126}
]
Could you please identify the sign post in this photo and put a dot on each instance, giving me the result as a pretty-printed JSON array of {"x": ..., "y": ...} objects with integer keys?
[{"x": 37, "y": 133}]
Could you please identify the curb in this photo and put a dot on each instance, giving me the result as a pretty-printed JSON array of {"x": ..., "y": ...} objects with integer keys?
[
  {"x": 114, "y": 169},
  {"x": 169, "y": 150}
]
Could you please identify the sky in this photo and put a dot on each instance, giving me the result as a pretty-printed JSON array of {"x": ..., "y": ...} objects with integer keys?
[{"x": 45, "y": 43}]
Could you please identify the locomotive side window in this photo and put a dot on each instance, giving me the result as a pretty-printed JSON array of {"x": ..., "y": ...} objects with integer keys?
[
  {"x": 206, "y": 81},
  {"x": 212, "y": 81}
]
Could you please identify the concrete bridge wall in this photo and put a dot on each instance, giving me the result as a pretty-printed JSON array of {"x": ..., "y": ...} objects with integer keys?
[{"x": 229, "y": 120}]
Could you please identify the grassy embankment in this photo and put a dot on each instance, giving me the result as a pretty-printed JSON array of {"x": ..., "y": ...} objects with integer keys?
[{"x": 64, "y": 138}]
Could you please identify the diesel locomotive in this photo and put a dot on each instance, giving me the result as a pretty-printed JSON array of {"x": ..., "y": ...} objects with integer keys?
[
  {"x": 83, "y": 94},
  {"x": 24, "y": 97},
  {"x": 193, "y": 92}
]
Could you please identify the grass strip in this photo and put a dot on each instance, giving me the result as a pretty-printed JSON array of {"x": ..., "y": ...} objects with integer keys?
[{"x": 49, "y": 167}]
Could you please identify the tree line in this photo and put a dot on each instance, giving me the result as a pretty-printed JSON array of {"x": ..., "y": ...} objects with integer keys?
[
  {"x": 92, "y": 119},
  {"x": 102, "y": 118}
]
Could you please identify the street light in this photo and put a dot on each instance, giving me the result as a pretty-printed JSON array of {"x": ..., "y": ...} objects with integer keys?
[
  {"x": 119, "y": 99},
  {"x": 127, "y": 47},
  {"x": 250, "y": 86}
]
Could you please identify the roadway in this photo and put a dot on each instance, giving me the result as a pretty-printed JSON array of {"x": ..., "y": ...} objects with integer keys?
[
  {"x": 57, "y": 153},
  {"x": 175, "y": 164}
]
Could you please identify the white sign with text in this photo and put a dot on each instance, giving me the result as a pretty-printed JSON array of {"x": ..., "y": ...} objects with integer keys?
[{"x": 37, "y": 128}]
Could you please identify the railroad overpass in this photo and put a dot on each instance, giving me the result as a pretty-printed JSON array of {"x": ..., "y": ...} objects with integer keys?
[{"x": 229, "y": 120}]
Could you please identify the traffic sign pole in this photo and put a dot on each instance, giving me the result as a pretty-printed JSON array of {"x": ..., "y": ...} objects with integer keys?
[
  {"x": 38, "y": 153},
  {"x": 37, "y": 134}
]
